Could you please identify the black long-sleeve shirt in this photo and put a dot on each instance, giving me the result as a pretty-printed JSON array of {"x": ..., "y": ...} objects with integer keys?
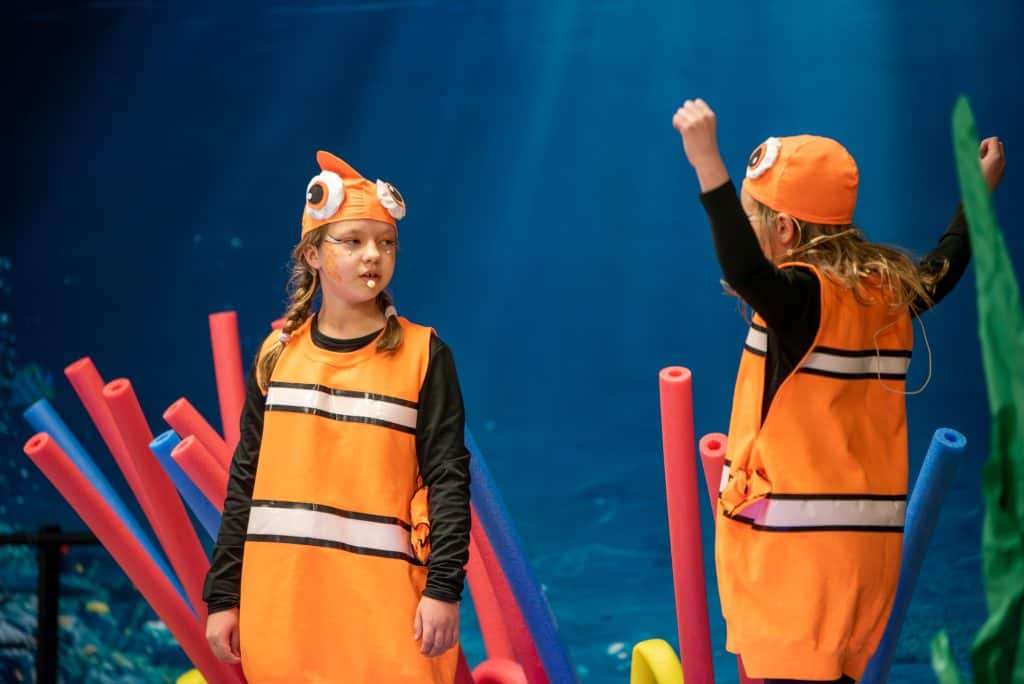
[
  {"x": 443, "y": 461},
  {"x": 789, "y": 299}
]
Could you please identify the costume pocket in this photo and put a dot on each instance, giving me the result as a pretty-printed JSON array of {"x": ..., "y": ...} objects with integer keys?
[
  {"x": 743, "y": 488},
  {"x": 419, "y": 514}
]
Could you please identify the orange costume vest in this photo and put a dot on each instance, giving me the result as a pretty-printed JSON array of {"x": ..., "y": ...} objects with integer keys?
[
  {"x": 811, "y": 510},
  {"x": 331, "y": 577}
]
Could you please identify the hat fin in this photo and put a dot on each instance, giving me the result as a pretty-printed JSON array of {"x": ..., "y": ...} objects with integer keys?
[{"x": 329, "y": 162}]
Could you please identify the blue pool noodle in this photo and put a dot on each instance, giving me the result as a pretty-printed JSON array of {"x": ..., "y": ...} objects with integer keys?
[
  {"x": 497, "y": 524},
  {"x": 201, "y": 507},
  {"x": 936, "y": 477},
  {"x": 44, "y": 418}
]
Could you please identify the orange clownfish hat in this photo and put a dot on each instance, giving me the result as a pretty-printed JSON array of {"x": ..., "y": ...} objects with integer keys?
[
  {"x": 339, "y": 192},
  {"x": 808, "y": 177}
]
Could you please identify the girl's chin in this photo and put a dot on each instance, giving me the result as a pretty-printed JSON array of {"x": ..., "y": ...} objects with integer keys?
[{"x": 361, "y": 295}]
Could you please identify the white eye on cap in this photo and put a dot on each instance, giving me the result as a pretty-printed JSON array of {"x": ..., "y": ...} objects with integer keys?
[
  {"x": 391, "y": 199},
  {"x": 324, "y": 195},
  {"x": 762, "y": 159}
]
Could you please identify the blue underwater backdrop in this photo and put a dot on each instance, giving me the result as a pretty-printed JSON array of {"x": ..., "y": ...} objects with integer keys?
[{"x": 157, "y": 155}]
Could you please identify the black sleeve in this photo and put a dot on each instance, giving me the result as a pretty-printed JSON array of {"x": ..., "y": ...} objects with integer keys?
[
  {"x": 223, "y": 582},
  {"x": 954, "y": 248},
  {"x": 444, "y": 465},
  {"x": 787, "y": 299}
]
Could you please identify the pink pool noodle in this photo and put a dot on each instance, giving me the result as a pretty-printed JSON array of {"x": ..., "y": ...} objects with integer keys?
[
  {"x": 684, "y": 524},
  {"x": 161, "y": 504},
  {"x": 227, "y": 368},
  {"x": 712, "y": 456},
  {"x": 488, "y": 610},
  {"x": 498, "y": 671},
  {"x": 193, "y": 458},
  {"x": 130, "y": 556},
  {"x": 88, "y": 386},
  {"x": 186, "y": 420},
  {"x": 518, "y": 632}
]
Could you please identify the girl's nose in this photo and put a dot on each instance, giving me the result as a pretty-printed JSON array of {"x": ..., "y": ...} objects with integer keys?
[{"x": 371, "y": 252}]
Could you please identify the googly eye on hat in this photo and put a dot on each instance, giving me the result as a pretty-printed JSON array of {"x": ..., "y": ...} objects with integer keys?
[
  {"x": 324, "y": 194},
  {"x": 762, "y": 159},
  {"x": 391, "y": 199}
]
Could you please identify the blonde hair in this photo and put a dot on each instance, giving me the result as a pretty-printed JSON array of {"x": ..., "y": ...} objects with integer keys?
[
  {"x": 843, "y": 254},
  {"x": 302, "y": 287}
]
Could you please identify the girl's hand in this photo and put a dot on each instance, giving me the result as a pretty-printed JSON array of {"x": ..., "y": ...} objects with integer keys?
[
  {"x": 222, "y": 635},
  {"x": 437, "y": 624},
  {"x": 993, "y": 161},
  {"x": 697, "y": 126}
]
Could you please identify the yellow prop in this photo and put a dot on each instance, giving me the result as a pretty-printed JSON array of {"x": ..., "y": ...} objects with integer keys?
[
  {"x": 654, "y": 662},
  {"x": 191, "y": 677}
]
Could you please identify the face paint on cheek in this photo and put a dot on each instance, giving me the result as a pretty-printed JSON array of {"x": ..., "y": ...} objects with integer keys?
[{"x": 330, "y": 267}]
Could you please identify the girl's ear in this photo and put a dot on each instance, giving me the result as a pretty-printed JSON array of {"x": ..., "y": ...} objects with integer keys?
[
  {"x": 312, "y": 257},
  {"x": 786, "y": 231}
]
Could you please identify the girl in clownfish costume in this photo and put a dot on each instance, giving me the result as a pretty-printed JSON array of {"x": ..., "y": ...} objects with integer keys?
[
  {"x": 810, "y": 514},
  {"x": 341, "y": 553}
]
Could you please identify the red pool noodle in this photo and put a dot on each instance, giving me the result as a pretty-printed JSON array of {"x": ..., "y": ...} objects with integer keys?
[
  {"x": 88, "y": 386},
  {"x": 498, "y": 671},
  {"x": 712, "y": 456},
  {"x": 463, "y": 675},
  {"x": 186, "y": 420},
  {"x": 684, "y": 524},
  {"x": 227, "y": 368},
  {"x": 488, "y": 610},
  {"x": 163, "y": 507},
  {"x": 193, "y": 458},
  {"x": 130, "y": 556},
  {"x": 518, "y": 632}
]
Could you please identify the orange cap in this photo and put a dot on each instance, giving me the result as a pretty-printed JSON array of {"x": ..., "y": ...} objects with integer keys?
[
  {"x": 338, "y": 193},
  {"x": 806, "y": 176}
]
